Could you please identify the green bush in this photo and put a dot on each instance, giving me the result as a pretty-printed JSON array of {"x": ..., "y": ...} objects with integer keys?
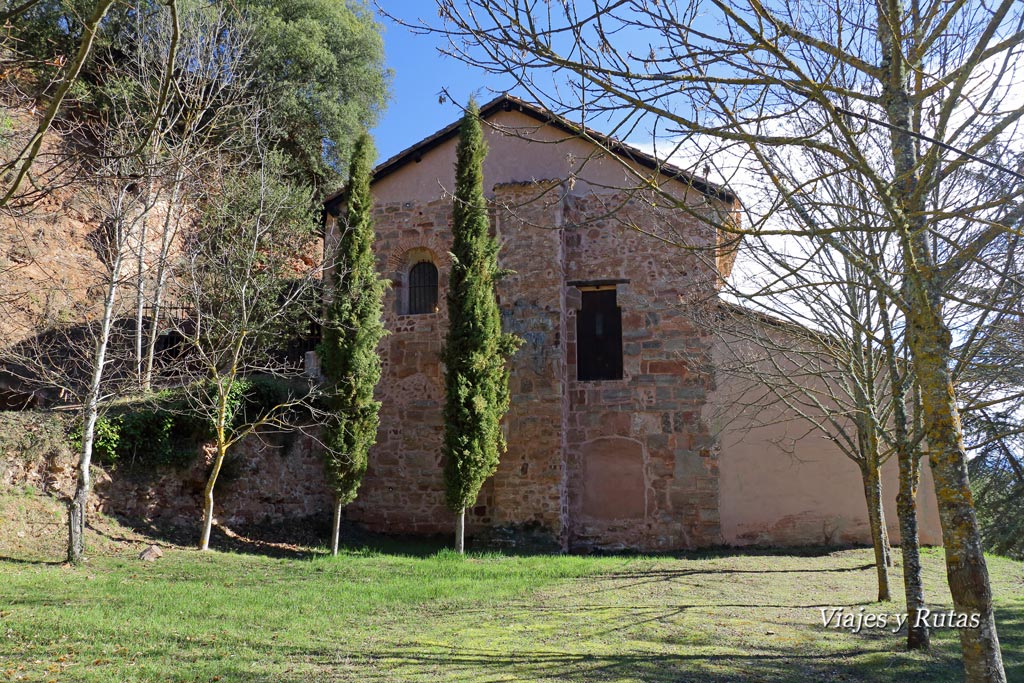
[
  {"x": 166, "y": 432},
  {"x": 153, "y": 436},
  {"x": 235, "y": 408},
  {"x": 158, "y": 437},
  {"x": 106, "y": 439}
]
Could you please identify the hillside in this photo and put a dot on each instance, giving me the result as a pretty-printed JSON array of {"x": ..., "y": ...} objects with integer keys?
[
  {"x": 48, "y": 268},
  {"x": 51, "y": 270}
]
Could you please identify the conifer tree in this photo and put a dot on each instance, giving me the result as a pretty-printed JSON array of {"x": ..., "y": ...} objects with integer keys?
[
  {"x": 475, "y": 352},
  {"x": 349, "y": 358}
]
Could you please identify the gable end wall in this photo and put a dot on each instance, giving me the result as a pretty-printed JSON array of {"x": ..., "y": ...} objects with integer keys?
[{"x": 565, "y": 437}]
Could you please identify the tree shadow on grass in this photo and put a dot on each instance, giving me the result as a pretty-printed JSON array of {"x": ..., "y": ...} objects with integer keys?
[
  {"x": 31, "y": 561},
  {"x": 407, "y": 664},
  {"x": 784, "y": 665},
  {"x": 296, "y": 542},
  {"x": 598, "y": 655},
  {"x": 298, "y": 539},
  {"x": 513, "y": 609},
  {"x": 636, "y": 579},
  {"x": 655, "y": 574},
  {"x": 1010, "y": 624},
  {"x": 877, "y": 657}
]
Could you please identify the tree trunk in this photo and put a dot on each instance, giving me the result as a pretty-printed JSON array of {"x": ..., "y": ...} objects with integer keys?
[
  {"x": 204, "y": 541},
  {"x": 140, "y": 294},
  {"x": 910, "y": 547},
  {"x": 884, "y": 530},
  {"x": 966, "y": 570},
  {"x": 930, "y": 341},
  {"x": 336, "y": 528},
  {"x": 166, "y": 241},
  {"x": 876, "y": 521},
  {"x": 887, "y": 549},
  {"x": 460, "y": 532},
  {"x": 76, "y": 518},
  {"x": 908, "y": 458},
  {"x": 78, "y": 505}
]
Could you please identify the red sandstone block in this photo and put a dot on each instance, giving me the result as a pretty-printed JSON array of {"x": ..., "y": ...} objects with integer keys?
[{"x": 667, "y": 367}]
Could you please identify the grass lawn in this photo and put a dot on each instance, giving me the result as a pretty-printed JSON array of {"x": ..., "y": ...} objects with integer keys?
[{"x": 373, "y": 616}]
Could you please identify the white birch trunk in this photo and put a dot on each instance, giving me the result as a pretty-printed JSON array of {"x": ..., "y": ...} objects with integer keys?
[
  {"x": 166, "y": 240},
  {"x": 218, "y": 462},
  {"x": 77, "y": 507},
  {"x": 336, "y": 528},
  {"x": 204, "y": 540},
  {"x": 460, "y": 532}
]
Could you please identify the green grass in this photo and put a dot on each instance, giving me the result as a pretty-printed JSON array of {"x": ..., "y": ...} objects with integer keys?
[{"x": 368, "y": 616}]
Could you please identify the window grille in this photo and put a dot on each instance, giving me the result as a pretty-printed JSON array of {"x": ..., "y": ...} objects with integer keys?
[{"x": 422, "y": 288}]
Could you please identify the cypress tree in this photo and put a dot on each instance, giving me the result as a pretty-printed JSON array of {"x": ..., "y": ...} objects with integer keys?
[
  {"x": 475, "y": 352},
  {"x": 348, "y": 353}
]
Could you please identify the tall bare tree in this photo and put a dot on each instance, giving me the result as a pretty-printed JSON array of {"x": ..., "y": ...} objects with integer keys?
[
  {"x": 208, "y": 112},
  {"x": 831, "y": 351},
  {"x": 815, "y": 354},
  {"x": 77, "y": 361},
  {"x": 246, "y": 289},
  {"x": 933, "y": 80},
  {"x": 123, "y": 216}
]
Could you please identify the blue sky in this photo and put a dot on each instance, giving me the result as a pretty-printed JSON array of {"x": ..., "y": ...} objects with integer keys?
[{"x": 420, "y": 74}]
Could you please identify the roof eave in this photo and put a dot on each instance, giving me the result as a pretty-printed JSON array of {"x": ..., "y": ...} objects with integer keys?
[{"x": 507, "y": 102}]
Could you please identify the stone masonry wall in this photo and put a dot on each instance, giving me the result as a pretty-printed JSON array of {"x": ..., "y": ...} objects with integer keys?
[
  {"x": 624, "y": 463},
  {"x": 529, "y": 486},
  {"x": 267, "y": 478},
  {"x": 643, "y": 470},
  {"x": 403, "y": 490}
]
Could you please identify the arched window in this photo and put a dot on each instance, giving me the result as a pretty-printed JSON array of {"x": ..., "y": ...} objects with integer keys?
[{"x": 422, "y": 288}]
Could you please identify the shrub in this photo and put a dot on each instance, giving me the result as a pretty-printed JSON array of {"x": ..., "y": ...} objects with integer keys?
[
  {"x": 167, "y": 432},
  {"x": 106, "y": 439},
  {"x": 160, "y": 435}
]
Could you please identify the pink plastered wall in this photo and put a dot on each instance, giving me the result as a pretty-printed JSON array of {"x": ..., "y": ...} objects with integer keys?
[{"x": 783, "y": 482}]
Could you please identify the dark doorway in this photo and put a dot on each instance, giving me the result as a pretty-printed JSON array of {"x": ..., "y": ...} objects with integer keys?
[{"x": 599, "y": 337}]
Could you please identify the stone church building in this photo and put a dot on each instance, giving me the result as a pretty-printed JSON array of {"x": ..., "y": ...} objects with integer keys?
[{"x": 619, "y": 433}]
